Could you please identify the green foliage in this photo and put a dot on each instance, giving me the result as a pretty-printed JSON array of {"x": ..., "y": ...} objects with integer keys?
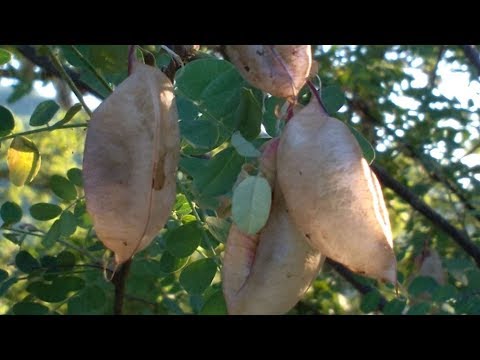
[
  {"x": 52, "y": 261},
  {"x": 251, "y": 203}
]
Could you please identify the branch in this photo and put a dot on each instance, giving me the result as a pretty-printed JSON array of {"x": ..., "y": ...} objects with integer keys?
[
  {"x": 460, "y": 237},
  {"x": 119, "y": 281},
  {"x": 350, "y": 277},
  {"x": 44, "y": 62},
  {"x": 473, "y": 55}
]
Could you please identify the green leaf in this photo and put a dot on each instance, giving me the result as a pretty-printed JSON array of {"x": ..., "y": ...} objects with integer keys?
[
  {"x": 333, "y": 98},
  {"x": 26, "y": 262},
  {"x": 14, "y": 238},
  {"x": 5, "y": 57},
  {"x": 215, "y": 305},
  {"x": 394, "y": 307},
  {"x": 29, "y": 308},
  {"x": 7, "y": 284},
  {"x": 7, "y": 122},
  {"x": 46, "y": 292},
  {"x": 249, "y": 114},
  {"x": 11, "y": 213},
  {"x": 251, "y": 203},
  {"x": 243, "y": 147},
  {"x": 69, "y": 115},
  {"x": 367, "y": 148},
  {"x": 23, "y": 159},
  {"x": 52, "y": 235},
  {"x": 445, "y": 293},
  {"x": 220, "y": 173},
  {"x": 92, "y": 298},
  {"x": 182, "y": 241},
  {"x": 370, "y": 302},
  {"x": 80, "y": 211},
  {"x": 270, "y": 119},
  {"x": 45, "y": 211},
  {"x": 218, "y": 227},
  {"x": 3, "y": 275},
  {"x": 197, "y": 276},
  {"x": 473, "y": 277},
  {"x": 68, "y": 223},
  {"x": 422, "y": 284},
  {"x": 63, "y": 188},
  {"x": 66, "y": 260},
  {"x": 419, "y": 309},
  {"x": 169, "y": 263},
  {"x": 44, "y": 112},
  {"x": 20, "y": 89},
  {"x": 215, "y": 87},
  {"x": 75, "y": 176},
  {"x": 68, "y": 283}
]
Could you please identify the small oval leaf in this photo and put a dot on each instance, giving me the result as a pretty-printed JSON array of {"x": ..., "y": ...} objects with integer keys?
[
  {"x": 29, "y": 308},
  {"x": 169, "y": 263},
  {"x": 251, "y": 203},
  {"x": 52, "y": 235},
  {"x": 23, "y": 160},
  {"x": 63, "y": 188},
  {"x": 68, "y": 224},
  {"x": 75, "y": 176},
  {"x": 367, "y": 148},
  {"x": 7, "y": 122},
  {"x": 26, "y": 262},
  {"x": 11, "y": 213},
  {"x": 182, "y": 241},
  {"x": 215, "y": 305},
  {"x": 197, "y": 276},
  {"x": 45, "y": 211},
  {"x": 5, "y": 57},
  {"x": 244, "y": 147},
  {"x": 44, "y": 112}
]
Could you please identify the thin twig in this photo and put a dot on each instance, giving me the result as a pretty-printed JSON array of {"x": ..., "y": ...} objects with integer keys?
[
  {"x": 460, "y": 237},
  {"x": 119, "y": 281},
  {"x": 46, "y": 128},
  {"x": 68, "y": 80}
]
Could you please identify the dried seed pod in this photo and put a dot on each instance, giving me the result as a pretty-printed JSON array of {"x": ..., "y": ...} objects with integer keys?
[
  {"x": 280, "y": 70},
  {"x": 430, "y": 264},
  {"x": 131, "y": 155},
  {"x": 333, "y": 196},
  {"x": 268, "y": 273}
]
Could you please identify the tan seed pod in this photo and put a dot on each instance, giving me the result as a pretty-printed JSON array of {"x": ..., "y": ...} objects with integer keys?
[
  {"x": 268, "y": 273},
  {"x": 131, "y": 155},
  {"x": 280, "y": 70},
  {"x": 430, "y": 264},
  {"x": 333, "y": 196}
]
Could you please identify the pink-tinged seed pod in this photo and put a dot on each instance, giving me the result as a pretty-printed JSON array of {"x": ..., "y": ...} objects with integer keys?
[
  {"x": 333, "y": 196},
  {"x": 268, "y": 273},
  {"x": 281, "y": 70},
  {"x": 131, "y": 155}
]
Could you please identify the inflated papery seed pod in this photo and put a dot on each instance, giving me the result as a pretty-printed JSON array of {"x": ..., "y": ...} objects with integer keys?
[
  {"x": 280, "y": 70},
  {"x": 430, "y": 264},
  {"x": 332, "y": 195},
  {"x": 268, "y": 273},
  {"x": 131, "y": 155}
]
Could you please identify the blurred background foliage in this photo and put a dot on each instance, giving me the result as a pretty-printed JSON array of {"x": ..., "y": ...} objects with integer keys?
[{"x": 417, "y": 105}]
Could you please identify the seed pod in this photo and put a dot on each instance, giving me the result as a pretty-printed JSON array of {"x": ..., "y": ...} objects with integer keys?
[
  {"x": 280, "y": 70},
  {"x": 268, "y": 273},
  {"x": 430, "y": 264},
  {"x": 131, "y": 155},
  {"x": 333, "y": 196}
]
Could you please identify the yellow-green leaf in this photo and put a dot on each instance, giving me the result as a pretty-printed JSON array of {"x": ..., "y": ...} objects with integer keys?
[{"x": 23, "y": 159}]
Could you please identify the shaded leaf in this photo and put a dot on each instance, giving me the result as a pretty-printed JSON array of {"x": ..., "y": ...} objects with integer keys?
[
  {"x": 5, "y": 57},
  {"x": 26, "y": 262},
  {"x": 219, "y": 228},
  {"x": 63, "y": 188},
  {"x": 52, "y": 235},
  {"x": 197, "y": 276},
  {"x": 75, "y": 176},
  {"x": 68, "y": 223},
  {"x": 248, "y": 116},
  {"x": 45, "y": 211},
  {"x": 44, "y": 112},
  {"x": 333, "y": 98},
  {"x": 215, "y": 305},
  {"x": 7, "y": 122},
  {"x": 11, "y": 213},
  {"x": 182, "y": 241},
  {"x": 29, "y": 308}
]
